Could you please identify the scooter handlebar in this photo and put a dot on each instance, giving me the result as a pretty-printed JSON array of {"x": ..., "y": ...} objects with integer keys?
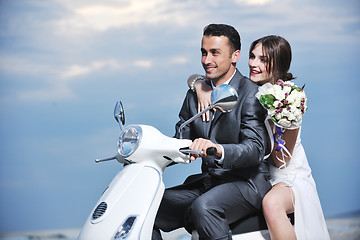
[{"x": 210, "y": 151}]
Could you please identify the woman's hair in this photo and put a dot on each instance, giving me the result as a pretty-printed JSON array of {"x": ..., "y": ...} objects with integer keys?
[{"x": 278, "y": 52}]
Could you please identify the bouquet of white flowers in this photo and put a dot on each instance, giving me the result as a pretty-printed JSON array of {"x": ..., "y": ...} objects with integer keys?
[{"x": 285, "y": 103}]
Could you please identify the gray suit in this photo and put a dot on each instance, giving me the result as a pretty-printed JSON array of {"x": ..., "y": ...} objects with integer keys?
[{"x": 224, "y": 193}]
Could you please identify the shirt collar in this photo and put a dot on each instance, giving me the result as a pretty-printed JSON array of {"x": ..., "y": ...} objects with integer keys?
[{"x": 227, "y": 82}]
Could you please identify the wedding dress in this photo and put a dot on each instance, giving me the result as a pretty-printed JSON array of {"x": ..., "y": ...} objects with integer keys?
[{"x": 309, "y": 219}]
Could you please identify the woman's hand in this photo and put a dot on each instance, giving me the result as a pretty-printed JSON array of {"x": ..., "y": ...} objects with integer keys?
[{"x": 203, "y": 92}]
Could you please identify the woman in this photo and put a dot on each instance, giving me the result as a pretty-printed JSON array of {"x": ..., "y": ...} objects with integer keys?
[{"x": 294, "y": 189}]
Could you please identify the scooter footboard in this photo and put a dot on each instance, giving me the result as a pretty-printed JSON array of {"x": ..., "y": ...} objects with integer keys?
[
  {"x": 253, "y": 223},
  {"x": 249, "y": 228}
]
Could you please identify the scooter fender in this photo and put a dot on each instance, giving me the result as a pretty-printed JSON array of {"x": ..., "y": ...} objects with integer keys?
[{"x": 131, "y": 200}]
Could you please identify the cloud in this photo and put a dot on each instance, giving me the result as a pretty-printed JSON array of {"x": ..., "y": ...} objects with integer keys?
[
  {"x": 78, "y": 70},
  {"x": 150, "y": 19},
  {"x": 14, "y": 64},
  {"x": 54, "y": 83},
  {"x": 254, "y": 2},
  {"x": 143, "y": 63},
  {"x": 36, "y": 81},
  {"x": 104, "y": 16},
  {"x": 49, "y": 92},
  {"x": 179, "y": 60},
  {"x": 281, "y": 16}
]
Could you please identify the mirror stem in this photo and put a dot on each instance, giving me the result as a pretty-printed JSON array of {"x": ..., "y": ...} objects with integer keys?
[
  {"x": 105, "y": 159},
  {"x": 195, "y": 117},
  {"x": 121, "y": 126}
]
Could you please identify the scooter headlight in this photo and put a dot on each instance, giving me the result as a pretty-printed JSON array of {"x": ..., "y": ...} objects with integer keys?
[{"x": 129, "y": 140}]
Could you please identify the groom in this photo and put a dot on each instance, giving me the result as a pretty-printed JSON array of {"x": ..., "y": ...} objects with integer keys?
[{"x": 233, "y": 183}]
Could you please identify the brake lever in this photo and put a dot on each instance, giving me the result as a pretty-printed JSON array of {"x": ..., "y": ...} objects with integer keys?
[{"x": 188, "y": 151}]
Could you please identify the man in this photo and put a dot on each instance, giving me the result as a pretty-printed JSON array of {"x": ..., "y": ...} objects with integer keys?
[{"x": 233, "y": 183}]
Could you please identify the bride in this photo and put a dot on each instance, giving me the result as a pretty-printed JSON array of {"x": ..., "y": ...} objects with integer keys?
[{"x": 294, "y": 189}]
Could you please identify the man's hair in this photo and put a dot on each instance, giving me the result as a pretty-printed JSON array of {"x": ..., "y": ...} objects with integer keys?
[{"x": 224, "y": 30}]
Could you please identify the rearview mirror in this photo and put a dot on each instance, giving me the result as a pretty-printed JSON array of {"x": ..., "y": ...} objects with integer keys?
[
  {"x": 119, "y": 114},
  {"x": 223, "y": 97}
]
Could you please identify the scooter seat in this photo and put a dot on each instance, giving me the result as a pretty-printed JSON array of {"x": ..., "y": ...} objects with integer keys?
[{"x": 253, "y": 223}]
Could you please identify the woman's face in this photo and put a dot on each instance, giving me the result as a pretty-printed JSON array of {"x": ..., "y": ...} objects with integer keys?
[{"x": 258, "y": 63}]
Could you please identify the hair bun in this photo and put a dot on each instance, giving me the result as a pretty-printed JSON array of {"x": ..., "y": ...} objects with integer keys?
[{"x": 289, "y": 77}]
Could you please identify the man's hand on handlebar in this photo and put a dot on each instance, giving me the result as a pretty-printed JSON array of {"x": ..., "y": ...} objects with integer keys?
[{"x": 201, "y": 144}]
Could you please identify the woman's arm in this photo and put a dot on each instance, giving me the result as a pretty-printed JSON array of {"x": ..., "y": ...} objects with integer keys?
[
  {"x": 289, "y": 136},
  {"x": 203, "y": 92}
]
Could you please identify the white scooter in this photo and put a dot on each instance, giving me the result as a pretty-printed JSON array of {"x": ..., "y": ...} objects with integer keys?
[{"x": 128, "y": 206}]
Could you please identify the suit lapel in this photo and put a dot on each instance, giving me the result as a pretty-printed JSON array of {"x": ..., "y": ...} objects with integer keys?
[
  {"x": 218, "y": 114},
  {"x": 206, "y": 129},
  {"x": 236, "y": 84}
]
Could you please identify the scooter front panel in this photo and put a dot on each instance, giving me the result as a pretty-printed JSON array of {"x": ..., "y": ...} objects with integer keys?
[{"x": 136, "y": 191}]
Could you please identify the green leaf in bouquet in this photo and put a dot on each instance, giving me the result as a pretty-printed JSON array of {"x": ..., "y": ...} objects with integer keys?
[
  {"x": 267, "y": 100},
  {"x": 274, "y": 119},
  {"x": 296, "y": 88}
]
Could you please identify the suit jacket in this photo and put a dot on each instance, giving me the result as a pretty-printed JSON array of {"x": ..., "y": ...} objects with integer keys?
[{"x": 243, "y": 135}]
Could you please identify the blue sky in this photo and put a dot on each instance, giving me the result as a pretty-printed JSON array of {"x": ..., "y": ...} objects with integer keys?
[{"x": 64, "y": 63}]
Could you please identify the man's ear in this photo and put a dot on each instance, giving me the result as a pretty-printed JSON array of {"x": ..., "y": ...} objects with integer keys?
[{"x": 235, "y": 56}]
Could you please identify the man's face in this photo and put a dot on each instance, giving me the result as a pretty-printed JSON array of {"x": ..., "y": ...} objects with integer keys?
[{"x": 217, "y": 58}]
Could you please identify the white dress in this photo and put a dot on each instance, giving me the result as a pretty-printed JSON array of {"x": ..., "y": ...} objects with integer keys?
[{"x": 309, "y": 218}]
